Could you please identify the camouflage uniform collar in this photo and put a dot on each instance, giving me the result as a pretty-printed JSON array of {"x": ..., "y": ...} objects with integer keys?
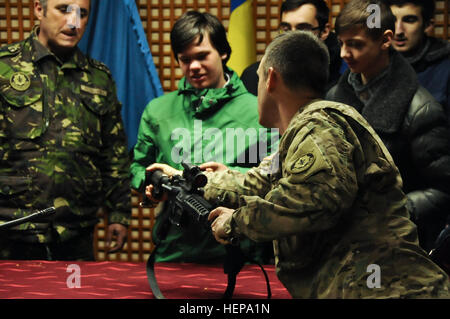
[
  {"x": 38, "y": 52},
  {"x": 305, "y": 107},
  {"x": 78, "y": 60}
]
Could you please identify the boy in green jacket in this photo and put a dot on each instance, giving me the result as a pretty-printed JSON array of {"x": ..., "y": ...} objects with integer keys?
[{"x": 211, "y": 117}]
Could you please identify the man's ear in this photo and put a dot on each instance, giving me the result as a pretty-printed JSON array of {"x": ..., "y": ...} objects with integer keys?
[
  {"x": 387, "y": 39},
  {"x": 38, "y": 9},
  {"x": 429, "y": 27},
  {"x": 325, "y": 32},
  {"x": 272, "y": 79}
]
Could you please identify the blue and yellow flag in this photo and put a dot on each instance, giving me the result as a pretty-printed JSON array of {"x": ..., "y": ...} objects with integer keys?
[
  {"x": 115, "y": 36},
  {"x": 241, "y": 35}
]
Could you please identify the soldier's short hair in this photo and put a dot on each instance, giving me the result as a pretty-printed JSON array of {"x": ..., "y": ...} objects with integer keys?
[
  {"x": 356, "y": 14},
  {"x": 192, "y": 25},
  {"x": 301, "y": 59}
]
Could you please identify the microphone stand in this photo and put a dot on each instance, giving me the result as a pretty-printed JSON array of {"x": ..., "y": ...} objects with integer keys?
[{"x": 40, "y": 213}]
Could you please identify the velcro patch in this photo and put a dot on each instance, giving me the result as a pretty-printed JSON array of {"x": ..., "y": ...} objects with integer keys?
[
  {"x": 93, "y": 90},
  {"x": 305, "y": 159}
]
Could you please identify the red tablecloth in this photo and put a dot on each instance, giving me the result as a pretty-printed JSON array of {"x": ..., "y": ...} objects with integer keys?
[{"x": 120, "y": 280}]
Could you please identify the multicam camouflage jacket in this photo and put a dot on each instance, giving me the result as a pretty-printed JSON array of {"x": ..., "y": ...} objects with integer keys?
[
  {"x": 62, "y": 142},
  {"x": 334, "y": 207}
]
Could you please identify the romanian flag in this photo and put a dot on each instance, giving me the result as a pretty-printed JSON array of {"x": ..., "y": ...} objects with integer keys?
[{"x": 241, "y": 35}]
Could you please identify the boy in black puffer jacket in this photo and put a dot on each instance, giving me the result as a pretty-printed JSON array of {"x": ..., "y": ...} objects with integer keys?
[{"x": 384, "y": 88}]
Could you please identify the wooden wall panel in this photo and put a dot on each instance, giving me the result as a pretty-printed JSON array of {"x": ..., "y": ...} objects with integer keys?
[
  {"x": 16, "y": 21},
  {"x": 139, "y": 242}
]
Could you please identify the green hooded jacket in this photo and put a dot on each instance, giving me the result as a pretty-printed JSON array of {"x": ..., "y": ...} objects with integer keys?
[{"x": 198, "y": 126}]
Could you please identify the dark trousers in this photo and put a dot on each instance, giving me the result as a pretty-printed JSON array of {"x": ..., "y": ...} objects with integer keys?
[{"x": 76, "y": 248}]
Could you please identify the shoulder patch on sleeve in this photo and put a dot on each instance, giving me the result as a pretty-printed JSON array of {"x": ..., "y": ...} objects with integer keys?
[
  {"x": 305, "y": 160},
  {"x": 303, "y": 163},
  {"x": 11, "y": 49}
]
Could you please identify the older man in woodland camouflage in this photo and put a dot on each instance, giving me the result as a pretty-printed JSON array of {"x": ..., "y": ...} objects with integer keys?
[
  {"x": 62, "y": 141},
  {"x": 333, "y": 204}
]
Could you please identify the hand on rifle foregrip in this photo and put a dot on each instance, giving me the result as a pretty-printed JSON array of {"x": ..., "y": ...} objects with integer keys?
[
  {"x": 166, "y": 169},
  {"x": 151, "y": 200},
  {"x": 220, "y": 224},
  {"x": 213, "y": 167}
]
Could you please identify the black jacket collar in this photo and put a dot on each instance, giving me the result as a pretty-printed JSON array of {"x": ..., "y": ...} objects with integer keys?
[
  {"x": 434, "y": 50},
  {"x": 387, "y": 108}
]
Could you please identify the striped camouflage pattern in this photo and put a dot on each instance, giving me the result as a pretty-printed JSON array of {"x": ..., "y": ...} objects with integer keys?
[
  {"x": 62, "y": 141},
  {"x": 334, "y": 208}
]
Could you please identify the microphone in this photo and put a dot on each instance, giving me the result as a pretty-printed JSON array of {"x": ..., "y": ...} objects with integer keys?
[{"x": 40, "y": 213}]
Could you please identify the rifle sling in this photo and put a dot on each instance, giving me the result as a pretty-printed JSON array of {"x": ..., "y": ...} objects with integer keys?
[
  {"x": 228, "y": 294},
  {"x": 151, "y": 275}
]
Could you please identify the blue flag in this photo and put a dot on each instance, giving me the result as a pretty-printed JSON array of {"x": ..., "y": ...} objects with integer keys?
[{"x": 115, "y": 36}]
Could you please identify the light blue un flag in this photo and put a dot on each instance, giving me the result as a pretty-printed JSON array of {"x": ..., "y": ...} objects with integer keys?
[{"x": 115, "y": 36}]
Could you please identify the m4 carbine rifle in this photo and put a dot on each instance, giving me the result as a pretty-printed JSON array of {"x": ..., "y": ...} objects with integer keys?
[{"x": 185, "y": 200}]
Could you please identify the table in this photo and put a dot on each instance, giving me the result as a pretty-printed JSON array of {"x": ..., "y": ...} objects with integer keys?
[{"x": 37, "y": 279}]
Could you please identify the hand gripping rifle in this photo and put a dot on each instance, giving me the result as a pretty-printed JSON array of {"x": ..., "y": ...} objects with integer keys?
[{"x": 185, "y": 200}]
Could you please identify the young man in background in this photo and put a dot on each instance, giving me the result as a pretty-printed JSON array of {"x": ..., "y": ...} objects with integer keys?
[
  {"x": 384, "y": 88},
  {"x": 429, "y": 56},
  {"x": 306, "y": 15}
]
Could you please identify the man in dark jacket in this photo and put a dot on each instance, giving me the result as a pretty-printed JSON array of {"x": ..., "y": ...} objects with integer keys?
[
  {"x": 384, "y": 88},
  {"x": 307, "y": 15},
  {"x": 430, "y": 57},
  {"x": 195, "y": 124}
]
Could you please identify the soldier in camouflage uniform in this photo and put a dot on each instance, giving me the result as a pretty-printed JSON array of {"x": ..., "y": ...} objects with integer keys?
[
  {"x": 62, "y": 141},
  {"x": 331, "y": 199}
]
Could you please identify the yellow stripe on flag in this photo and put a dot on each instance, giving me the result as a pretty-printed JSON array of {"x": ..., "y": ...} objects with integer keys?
[{"x": 241, "y": 35}]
